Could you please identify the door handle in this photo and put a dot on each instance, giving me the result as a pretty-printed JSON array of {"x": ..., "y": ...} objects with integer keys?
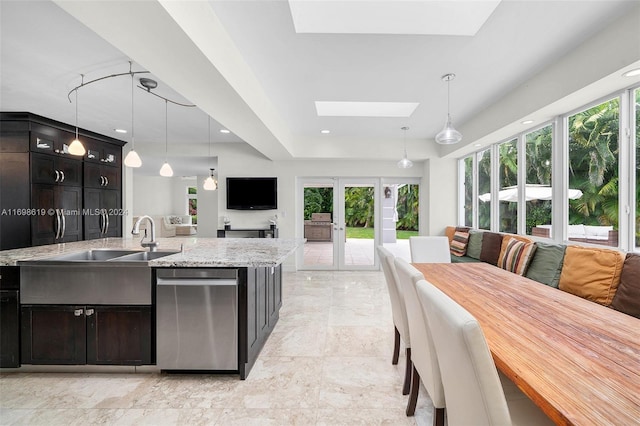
[
  {"x": 64, "y": 223},
  {"x": 57, "y": 225},
  {"x": 89, "y": 312},
  {"x": 106, "y": 216},
  {"x": 57, "y": 175},
  {"x": 62, "y": 175},
  {"x": 106, "y": 179},
  {"x": 78, "y": 312},
  {"x": 101, "y": 180},
  {"x": 101, "y": 222}
]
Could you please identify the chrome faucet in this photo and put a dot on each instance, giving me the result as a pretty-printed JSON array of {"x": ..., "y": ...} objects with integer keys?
[{"x": 153, "y": 244}]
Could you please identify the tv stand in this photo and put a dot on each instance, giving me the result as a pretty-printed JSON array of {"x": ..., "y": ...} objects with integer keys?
[{"x": 271, "y": 232}]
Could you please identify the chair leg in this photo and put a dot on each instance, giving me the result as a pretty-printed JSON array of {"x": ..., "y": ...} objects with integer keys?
[
  {"x": 407, "y": 372},
  {"x": 438, "y": 416},
  {"x": 396, "y": 346},
  {"x": 413, "y": 395}
]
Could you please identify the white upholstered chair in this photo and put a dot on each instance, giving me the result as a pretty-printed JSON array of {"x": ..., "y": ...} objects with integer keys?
[
  {"x": 399, "y": 313},
  {"x": 432, "y": 249},
  {"x": 423, "y": 352},
  {"x": 474, "y": 393}
]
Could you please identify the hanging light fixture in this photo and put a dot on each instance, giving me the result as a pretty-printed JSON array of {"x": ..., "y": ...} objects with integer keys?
[
  {"x": 448, "y": 135},
  {"x": 210, "y": 183},
  {"x": 405, "y": 163},
  {"x": 76, "y": 147},
  {"x": 166, "y": 169},
  {"x": 132, "y": 159}
]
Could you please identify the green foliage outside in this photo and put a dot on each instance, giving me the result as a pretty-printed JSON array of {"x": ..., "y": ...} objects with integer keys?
[
  {"x": 367, "y": 233},
  {"x": 593, "y": 169},
  {"x": 359, "y": 208}
]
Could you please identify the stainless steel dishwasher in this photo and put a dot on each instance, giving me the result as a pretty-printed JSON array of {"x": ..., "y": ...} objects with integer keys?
[{"x": 197, "y": 319}]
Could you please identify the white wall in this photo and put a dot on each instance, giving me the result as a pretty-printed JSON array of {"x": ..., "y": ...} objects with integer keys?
[
  {"x": 437, "y": 203},
  {"x": 152, "y": 195}
]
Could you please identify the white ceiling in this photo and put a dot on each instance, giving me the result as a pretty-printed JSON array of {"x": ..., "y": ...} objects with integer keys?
[{"x": 244, "y": 64}]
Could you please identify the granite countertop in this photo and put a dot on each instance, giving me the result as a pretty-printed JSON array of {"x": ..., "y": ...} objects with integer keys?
[{"x": 198, "y": 252}]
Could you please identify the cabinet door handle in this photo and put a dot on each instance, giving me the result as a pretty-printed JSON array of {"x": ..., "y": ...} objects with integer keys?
[
  {"x": 57, "y": 224},
  {"x": 57, "y": 175},
  {"x": 106, "y": 216},
  {"x": 89, "y": 312},
  {"x": 62, "y": 174},
  {"x": 102, "y": 221},
  {"x": 64, "y": 223},
  {"x": 107, "y": 181},
  {"x": 78, "y": 312},
  {"x": 101, "y": 180}
]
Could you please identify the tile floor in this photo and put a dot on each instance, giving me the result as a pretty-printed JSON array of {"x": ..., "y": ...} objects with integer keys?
[
  {"x": 328, "y": 362},
  {"x": 358, "y": 251}
]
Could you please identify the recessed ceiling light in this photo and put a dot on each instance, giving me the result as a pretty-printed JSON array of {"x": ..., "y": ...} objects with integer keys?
[
  {"x": 478, "y": 145},
  {"x": 632, "y": 73},
  {"x": 527, "y": 122},
  {"x": 224, "y": 131},
  {"x": 325, "y": 131},
  {"x": 120, "y": 130}
]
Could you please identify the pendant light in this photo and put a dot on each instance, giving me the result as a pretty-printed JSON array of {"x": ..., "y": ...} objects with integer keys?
[
  {"x": 166, "y": 169},
  {"x": 448, "y": 135},
  {"x": 132, "y": 159},
  {"x": 76, "y": 147},
  {"x": 405, "y": 163},
  {"x": 210, "y": 183}
]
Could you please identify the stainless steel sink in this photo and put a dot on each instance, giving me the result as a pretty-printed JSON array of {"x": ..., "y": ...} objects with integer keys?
[
  {"x": 99, "y": 255},
  {"x": 99, "y": 276},
  {"x": 142, "y": 256}
]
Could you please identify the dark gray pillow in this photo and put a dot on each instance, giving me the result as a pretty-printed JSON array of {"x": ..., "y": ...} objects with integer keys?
[
  {"x": 474, "y": 246},
  {"x": 546, "y": 265},
  {"x": 491, "y": 245}
]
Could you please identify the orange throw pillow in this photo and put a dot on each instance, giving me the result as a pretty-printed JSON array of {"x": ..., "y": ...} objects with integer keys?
[{"x": 591, "y": 273}]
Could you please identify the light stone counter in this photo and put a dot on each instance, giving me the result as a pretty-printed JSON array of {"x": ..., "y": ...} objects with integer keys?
[{"x": 198, "y": 252}]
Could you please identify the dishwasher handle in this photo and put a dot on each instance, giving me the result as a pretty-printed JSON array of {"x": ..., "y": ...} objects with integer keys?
[{"x": 200, "y": 282}]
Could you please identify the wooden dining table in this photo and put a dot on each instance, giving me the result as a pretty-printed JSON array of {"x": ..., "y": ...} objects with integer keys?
[{"x": 577, "y": 360}]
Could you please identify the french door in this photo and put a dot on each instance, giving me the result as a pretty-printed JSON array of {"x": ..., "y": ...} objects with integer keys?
[{"x": 340, "y": 223}]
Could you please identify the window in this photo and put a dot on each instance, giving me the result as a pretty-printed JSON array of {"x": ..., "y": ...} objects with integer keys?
[
  {"x": 593, "y": 168},
  {"x": 508, "y": 183},
  {"x": 484, "y": 188},
  {"x": 192, "y": 204},
  {"x": 468, "y": 191},
  {"x": 592, "y": 156},
  {"x": 538, "y": 175}
]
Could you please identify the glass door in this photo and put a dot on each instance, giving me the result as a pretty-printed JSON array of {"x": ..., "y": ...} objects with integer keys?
[
  {"x": 357, "y": 223},
  {"x": 339, "y": 223}
]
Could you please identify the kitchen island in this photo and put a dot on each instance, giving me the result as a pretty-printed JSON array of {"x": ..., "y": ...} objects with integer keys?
[{"x": 205, "y": 304}]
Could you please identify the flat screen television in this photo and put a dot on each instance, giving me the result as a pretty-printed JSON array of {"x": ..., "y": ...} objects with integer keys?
[{"x": 252, "y": 193}]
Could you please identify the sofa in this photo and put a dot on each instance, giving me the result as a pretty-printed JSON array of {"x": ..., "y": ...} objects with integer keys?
[
  {"x": 602, "y": 275},
  {"x": 603, "y": 235},
  {"x": 170, "y": 225}
]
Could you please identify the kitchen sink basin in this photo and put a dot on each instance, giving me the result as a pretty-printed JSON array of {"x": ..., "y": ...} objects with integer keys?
[
  {"x": 91, "y": 255},
  {"x": 143, "y": 256}
]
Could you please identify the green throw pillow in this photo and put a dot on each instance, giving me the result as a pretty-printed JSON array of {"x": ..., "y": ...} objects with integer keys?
[
  {"x": 546, "y": 265},
  {"x": 474, "y": 246}
]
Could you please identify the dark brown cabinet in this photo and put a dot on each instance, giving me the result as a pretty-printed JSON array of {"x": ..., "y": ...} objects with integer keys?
[
  {"x": 9, "y": 317},
  {"x": 102, "y": 213},
  {"x": 72, "y": 335},
  {"x": 104, "y": 177},
  {"x": 15, "y": 226},
  {"x": 59, "y": 214},
  {"x": 49, "y": 169},
  {"x": 53, "y": 334},
  {"x": 119, "y": 335},
  {"x": 262, "y": 299},
  {"x": 35, "y": 163}
]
